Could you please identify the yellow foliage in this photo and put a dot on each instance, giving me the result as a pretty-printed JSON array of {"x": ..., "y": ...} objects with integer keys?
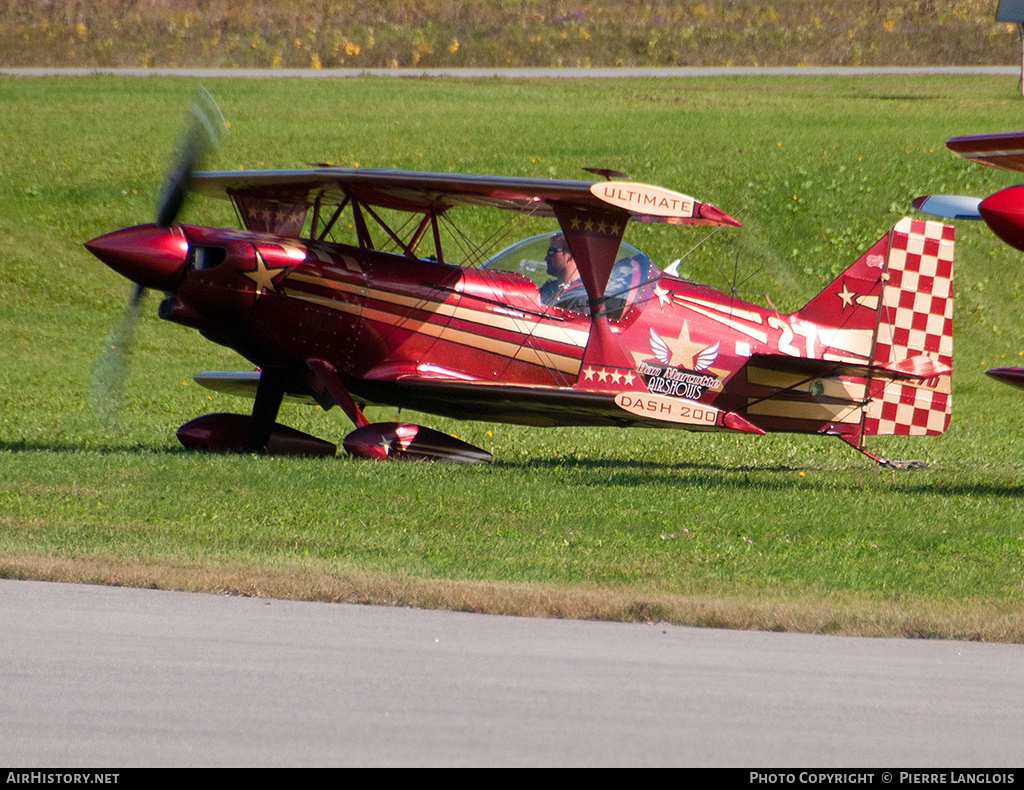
[{"x": 230, "y": 32}]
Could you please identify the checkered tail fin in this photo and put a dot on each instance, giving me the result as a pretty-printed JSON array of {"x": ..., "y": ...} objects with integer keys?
[
  {"x": 893, "y": 309},
  {"x": 915, "y": 321}
]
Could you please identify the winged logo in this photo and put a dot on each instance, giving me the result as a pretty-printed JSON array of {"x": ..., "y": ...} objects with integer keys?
[
  {"x": 660, "y": 348},
  {"x": 706, "y": 358},
  {"x": 702, "y": 360}
]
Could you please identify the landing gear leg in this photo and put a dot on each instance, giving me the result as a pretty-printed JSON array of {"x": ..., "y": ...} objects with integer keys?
[{"x": 269, "y": 395}]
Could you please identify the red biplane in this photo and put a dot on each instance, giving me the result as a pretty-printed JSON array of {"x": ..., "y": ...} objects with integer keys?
[
  {"x": 1002, "y": 211},
  {"x": 568, "y": 327}
]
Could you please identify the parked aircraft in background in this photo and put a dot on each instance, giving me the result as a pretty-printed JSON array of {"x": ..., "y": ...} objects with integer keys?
[{"x": 1002, "y": 211}]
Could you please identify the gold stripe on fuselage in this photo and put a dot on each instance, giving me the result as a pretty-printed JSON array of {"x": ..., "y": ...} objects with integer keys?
[
  {"x": 517, "y": 351},
  {"x": 510, "y": 323},
  {"x": 724, "y": 315}
]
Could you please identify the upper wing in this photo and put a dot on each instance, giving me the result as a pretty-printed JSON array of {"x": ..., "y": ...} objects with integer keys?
[
  {"x": 435, "y": 192},
  {"x": 1001, "y": 149}
]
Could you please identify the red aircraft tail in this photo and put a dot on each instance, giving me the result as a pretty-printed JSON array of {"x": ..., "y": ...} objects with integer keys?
[{"x": 892, "y": 311}]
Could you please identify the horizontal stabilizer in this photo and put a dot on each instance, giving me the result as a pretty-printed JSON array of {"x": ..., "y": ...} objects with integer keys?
[{"x": 918, "y": 368}]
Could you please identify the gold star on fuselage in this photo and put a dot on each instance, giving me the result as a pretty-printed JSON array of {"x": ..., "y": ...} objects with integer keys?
[
  {"x": 681, "y": 350},
  {"x": 262, "y": 276}
]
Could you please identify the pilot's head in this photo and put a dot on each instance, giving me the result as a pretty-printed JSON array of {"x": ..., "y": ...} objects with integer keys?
[{"x": 559, "y": 260}]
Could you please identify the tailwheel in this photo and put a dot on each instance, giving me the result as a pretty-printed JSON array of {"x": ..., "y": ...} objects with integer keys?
[
  {"x": 405, "y": 441},
  {"x": 855, "y": 443}
]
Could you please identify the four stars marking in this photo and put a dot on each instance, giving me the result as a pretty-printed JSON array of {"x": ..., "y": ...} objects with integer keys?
[{"x": 617, "y": 376}]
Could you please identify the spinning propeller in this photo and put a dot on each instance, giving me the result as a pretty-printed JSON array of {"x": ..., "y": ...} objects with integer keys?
[{"x": 203, "y": 127}]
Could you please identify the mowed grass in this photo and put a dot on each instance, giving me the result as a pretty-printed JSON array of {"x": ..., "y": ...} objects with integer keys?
[{"x": 782, "y": 532}]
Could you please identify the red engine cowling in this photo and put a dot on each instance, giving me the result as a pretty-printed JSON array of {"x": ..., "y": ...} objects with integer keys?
[{"x": 1004, "y": 213}]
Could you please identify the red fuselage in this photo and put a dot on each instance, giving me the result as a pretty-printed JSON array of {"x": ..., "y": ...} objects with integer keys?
[{"x": 479, "y": 344}]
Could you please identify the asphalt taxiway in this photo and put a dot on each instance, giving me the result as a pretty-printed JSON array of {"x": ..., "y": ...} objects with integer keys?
[{"x": 97, "y": 676}]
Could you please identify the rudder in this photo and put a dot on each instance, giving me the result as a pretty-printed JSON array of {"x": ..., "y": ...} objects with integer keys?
[
  {"x": 915, "y": 318},
  {"x": 895, "y": 304}
]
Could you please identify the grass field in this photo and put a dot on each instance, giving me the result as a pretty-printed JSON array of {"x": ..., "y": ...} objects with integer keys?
[{"x": 779, "y": 532}]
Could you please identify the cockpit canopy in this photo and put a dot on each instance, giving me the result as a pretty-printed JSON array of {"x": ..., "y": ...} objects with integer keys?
[{"x": 631, "y": 272}]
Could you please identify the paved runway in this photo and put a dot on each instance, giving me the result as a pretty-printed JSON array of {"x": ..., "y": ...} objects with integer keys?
[
  {"x": 110, "y": 677},
  {"x": 523, "y": 73}
]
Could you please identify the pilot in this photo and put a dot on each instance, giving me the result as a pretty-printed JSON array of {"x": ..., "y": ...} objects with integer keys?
[{"x": 566, "y": 289}]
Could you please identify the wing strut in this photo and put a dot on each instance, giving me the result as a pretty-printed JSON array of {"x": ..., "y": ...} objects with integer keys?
[{"x": 334, "y": 218}]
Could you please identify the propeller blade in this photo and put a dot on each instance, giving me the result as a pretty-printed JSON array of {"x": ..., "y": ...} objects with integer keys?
[
  {"x": 110, "y": 371},
  {"x": 203, "y": 127},
  {"x": 949, "y": 206}
]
